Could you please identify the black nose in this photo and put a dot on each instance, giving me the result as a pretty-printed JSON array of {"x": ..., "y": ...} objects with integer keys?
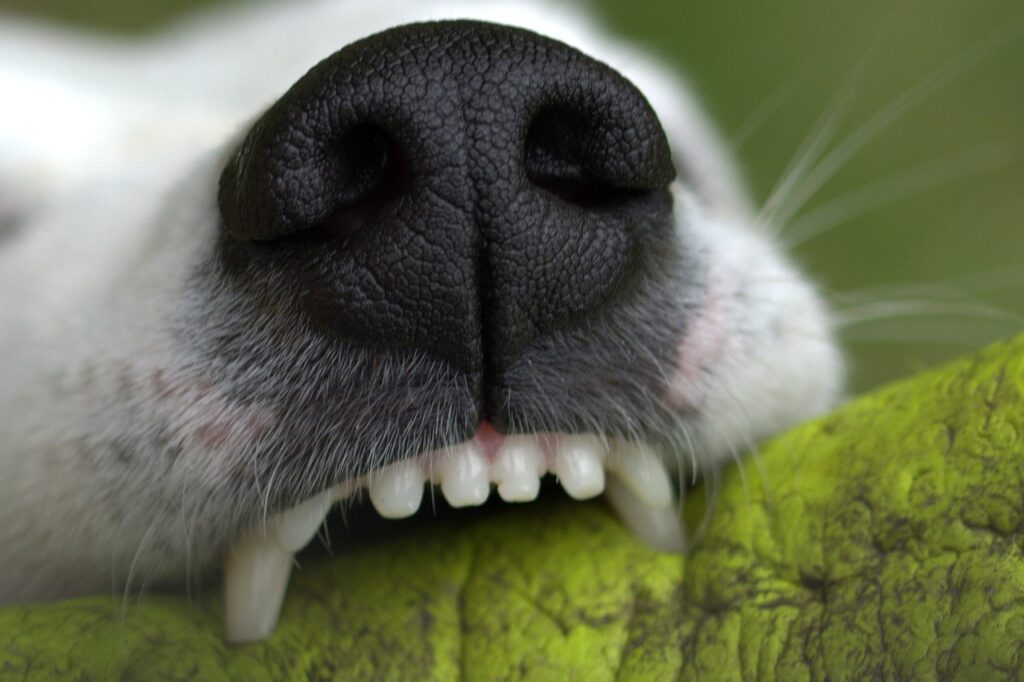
[{"x": 456, "y": 187}]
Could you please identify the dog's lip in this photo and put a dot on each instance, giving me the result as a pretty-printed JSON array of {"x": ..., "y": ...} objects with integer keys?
[{"x": 632, "y": 474}]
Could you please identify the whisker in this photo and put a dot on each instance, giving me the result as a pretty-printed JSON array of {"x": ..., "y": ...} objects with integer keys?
[
  {"x": 761, "y": 114},
  {"x": 855, "y": 311},
  {"x": 818, "y": 138},
  {"x": 940, "y": 337},
  {"x": 879, "y": 194},
  {"x": 828, "y": 166},
  {"x": 810, "y": 149},
  {"x": 925, "y": 321},
  {"x": 879, "y": 310},
  {"x": 737, "y": 458},
  {"x": 133, "y": 567},
  {"x": 958, "y": 287},
  {"x": 996, "y": 279},
  {"x": 693, "y": 453},
  {"x": 750, "y": 445}
]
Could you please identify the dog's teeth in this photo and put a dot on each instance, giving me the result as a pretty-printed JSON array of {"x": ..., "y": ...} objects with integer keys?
[
  {"x": 396, "y": 492},
  {"x": 464, "y": 476},
  {"x": 296, "y": 526},
  {"x": 517, "y": 468},
  {"x": 578, "y": 465},
  {"x": 658, "y": 527},
  {"x": 642, "y": 471},
  {"x": 640, "y": 491},
  {"x": 255, "y": 578}
]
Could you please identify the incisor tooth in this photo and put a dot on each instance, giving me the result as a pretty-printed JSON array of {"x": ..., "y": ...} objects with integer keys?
[
  {"x": 660, "y": 528},
  {"x": 517, "y": 468},
  {"x": 643, "y": 472},
  {"x": 255, "y": 579},
  {"x": 296, "y": 526},
  {"x": 464, "y": 476},
  {"x": 396, "y": 492},
  {"x": 578, "y": 465}
]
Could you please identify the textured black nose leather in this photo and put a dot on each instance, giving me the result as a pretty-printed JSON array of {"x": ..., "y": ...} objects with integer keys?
[{"x": 456, "y": 187}]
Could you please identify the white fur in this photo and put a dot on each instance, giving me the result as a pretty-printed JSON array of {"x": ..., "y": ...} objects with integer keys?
[{"x": 112, "y": 152}]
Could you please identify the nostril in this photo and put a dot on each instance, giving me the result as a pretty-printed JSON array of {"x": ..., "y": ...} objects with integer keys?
[
  {"x": 568, "y": 154},
  {"x": 367, "y": 170},
  {"x": 363, "y": 156},
  {"x": 556, "y": 158},
  {"x": 297, "y": 186}
]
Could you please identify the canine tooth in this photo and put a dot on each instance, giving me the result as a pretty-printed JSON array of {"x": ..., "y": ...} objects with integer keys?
[
  {"x": 296, "y": 526},
  {"x": 396, "y": 492},
  {"x": 578, "y": 465},
  {"x": 643, "y": 472},
  {"x": 517, "y": 468},
  {"x": 658, "y": 527},
  {"x": 255, "y": 578},
  {"x": 464, "y": 476}
]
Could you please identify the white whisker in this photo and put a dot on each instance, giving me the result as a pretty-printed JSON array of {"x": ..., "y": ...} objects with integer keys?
[
  {"x": 761, "y": 114},
  {"x": 815, "y": 142},
  {"x": 826, "y": 169},
  {"x": 878, "y": 310},
  {"x": 884, "y": 192}
]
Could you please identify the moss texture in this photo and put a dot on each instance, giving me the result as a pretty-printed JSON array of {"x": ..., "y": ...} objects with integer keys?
[{"x": 883, "y": 541}]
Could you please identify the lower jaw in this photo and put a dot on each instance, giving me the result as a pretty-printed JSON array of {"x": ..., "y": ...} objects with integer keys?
[{"x": 631, "y": 475}]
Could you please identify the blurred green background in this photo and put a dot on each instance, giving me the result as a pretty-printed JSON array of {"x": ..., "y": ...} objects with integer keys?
[{"x": 933, "y": 235}]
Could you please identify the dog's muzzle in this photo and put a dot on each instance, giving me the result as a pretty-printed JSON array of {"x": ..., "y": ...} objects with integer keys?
[{"x": 459, "y": 188}]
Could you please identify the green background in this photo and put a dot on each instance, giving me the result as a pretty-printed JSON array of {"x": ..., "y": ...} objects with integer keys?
[{"x": 932, "y": 250}]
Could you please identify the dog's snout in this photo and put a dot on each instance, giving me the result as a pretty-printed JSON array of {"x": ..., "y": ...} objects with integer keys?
[{"x": 455, "y": 187}]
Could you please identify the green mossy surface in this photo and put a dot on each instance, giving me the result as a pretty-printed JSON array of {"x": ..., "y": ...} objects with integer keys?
[{"x": 883, "y": 541}]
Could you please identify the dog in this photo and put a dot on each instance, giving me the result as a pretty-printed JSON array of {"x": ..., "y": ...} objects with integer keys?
[{"x": 293, "y": 252}]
